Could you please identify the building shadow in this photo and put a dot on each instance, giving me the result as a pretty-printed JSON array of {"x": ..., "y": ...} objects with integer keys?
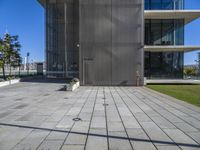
[
  {"x": 42, "y": 79},
  {"x": 104, "y": 136}
]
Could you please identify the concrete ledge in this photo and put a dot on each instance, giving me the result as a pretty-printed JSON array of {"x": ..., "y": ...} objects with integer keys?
[
  {"x": 14, "y": 81},
  {"x": 173, "y": 81},
  {"x": 170, "y": 48},
  {"x": 187, "y": 15},
  {"x": 6, "y": 83}
]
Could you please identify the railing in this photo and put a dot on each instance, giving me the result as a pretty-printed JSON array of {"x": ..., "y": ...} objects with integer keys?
[
  {"x": 192, "y": 77},
  {"x": 163, "y": 77}
]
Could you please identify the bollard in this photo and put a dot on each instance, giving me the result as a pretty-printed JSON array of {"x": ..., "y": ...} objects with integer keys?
[{"x": 137, "y": 78}]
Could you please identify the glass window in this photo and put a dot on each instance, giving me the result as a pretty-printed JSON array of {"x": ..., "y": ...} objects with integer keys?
[
  {"x": 62, "y": 57},
  {"x": 166, "y": 65},
  {"x": 179, "y": 4},
  {"x": 156, "y": 4},
  {"x": 155, "y": 32},
  {"x": 147, "y": 32},
  {"x": 167, "y": 32},
  {"x": 168, "y": 4},
  {"x": 164, "y": 4},
  {"x": 147, "y": 4},
  {"x": 179, "y": 32},
  {"x": 164, "y": 32}
]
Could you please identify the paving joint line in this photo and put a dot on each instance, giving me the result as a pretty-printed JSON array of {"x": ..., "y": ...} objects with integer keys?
[
  {"x": 106, "y": 119},
  {"x": 31, "y": 132},
  {"x": 91, "y": 119},
  {"x": 172, "y": 122},
  {"x": 154, "y": 121},
  {"x": 173, "y": 113},
  {"x": 58, "y": 122},
  {"x": 175, "y": 107},
  {"x": 86, "y": 100},
  {"x": 121, "y": 118},
  {"x": 138, "y": 121},
  {"x": 163, "y": 96},
  {"x": 150, "y": 119}
]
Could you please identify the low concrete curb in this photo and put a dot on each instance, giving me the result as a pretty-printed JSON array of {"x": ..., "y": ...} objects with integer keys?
[
  {"x": 14, "y": 81},
  {"x": 6, "y": 83},
  {"x": 178, "y": 81}
]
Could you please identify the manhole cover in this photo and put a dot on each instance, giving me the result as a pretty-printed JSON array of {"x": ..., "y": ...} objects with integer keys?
[
  {"x": 76, "y": 119},
  {"x": 104, "y": 98},
  {"x": 66, "y": 98}
]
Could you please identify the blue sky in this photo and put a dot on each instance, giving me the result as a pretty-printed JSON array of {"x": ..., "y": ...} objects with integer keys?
[
  {"x": 192, "y": 32},
  {"x": 26, "y": 19}
]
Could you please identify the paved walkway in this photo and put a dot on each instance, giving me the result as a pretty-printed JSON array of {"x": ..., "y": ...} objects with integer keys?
[{"x": 41, "y": 116}]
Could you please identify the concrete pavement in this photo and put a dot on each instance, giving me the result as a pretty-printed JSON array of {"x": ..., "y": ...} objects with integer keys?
[{"x": 36, "y": 115}]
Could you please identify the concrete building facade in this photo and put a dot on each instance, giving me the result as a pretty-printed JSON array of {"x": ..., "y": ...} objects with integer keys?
[{"x": 116, "y": 42}]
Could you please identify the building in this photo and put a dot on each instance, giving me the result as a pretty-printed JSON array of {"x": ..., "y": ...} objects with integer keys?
[
  {"x": 116, "y": 42},
  {"x": 164, "y": 38}
]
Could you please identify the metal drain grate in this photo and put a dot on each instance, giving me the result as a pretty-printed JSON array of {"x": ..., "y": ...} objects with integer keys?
[
  {"x": 76, "y": 119},
  {"x": 105, "y": 104}
]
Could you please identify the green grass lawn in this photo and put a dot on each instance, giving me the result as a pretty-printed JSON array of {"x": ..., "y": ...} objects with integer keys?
[{"x": 187, "y": 93}]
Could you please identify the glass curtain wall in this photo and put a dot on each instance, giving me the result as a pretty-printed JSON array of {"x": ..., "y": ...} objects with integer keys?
[
  {"x": 164, "y": 32},
  {"x": 164, "y": 4},
  {"x": 62, "y": 38},
  {"x": 164, "y": 64}
]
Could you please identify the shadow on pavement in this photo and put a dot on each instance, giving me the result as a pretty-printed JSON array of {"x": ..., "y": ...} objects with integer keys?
[
  {"x": 45, "y": 80},
  {"x": 103, "y": 136}
]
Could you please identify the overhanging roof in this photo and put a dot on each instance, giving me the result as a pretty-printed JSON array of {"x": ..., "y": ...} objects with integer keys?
[
  {"x": 171, "y": 48},
  {"x": 188, "y": 15}
]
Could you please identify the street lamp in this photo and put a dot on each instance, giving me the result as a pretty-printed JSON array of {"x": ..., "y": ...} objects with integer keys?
[{"x": 27, "y": 57}]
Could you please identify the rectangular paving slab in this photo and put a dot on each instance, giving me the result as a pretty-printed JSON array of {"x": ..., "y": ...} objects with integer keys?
[{"x": 37, "y": 115}]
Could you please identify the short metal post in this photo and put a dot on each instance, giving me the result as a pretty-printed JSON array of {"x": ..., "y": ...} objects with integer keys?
[{"x": 137, "y": 78}]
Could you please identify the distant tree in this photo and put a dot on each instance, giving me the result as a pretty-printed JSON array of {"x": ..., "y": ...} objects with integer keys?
[
  {"x": 17, "y": 62},
  {"x": 16, "y": 58},
  {"x": 191, "y": 71},
  {"x": 11, "y": 50},
  {"x": 2, "y": 58}
]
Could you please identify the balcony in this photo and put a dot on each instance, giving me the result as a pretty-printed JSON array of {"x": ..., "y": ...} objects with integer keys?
[
  {"x": 187, "y": 15},
  {"x": 170, "y": 48}
]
